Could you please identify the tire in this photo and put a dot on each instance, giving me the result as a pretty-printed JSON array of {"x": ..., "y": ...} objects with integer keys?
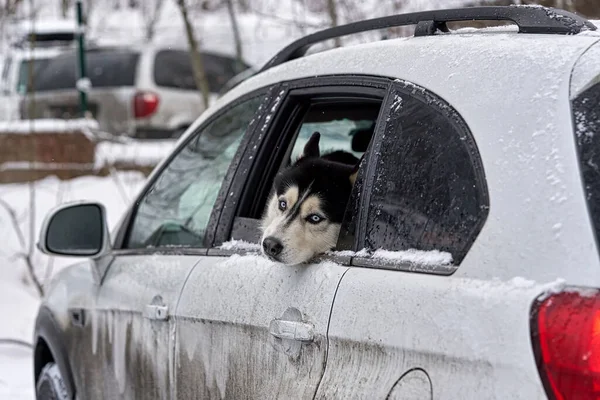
[{"x": 50, "y": 384}]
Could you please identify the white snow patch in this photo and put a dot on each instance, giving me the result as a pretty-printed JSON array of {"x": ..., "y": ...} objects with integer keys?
[
  {"x": 411, "y": 256},
  {"x": 239, "y": 245},
  {"x": 47, "y": 125},
  {"x": 553, "y": 287},
  {"x": 397, "y": 103},
  {"x": 83, "y": 84},
  {"x": 521, "y": 282},
  {"x": 349, "y": 253},
  {"x": 137, "y": 152}
]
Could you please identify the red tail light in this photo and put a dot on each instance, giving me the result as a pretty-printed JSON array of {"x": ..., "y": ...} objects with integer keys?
[
  {"x": 566, "y": 340},
  {"x": 144, "y": 104}
]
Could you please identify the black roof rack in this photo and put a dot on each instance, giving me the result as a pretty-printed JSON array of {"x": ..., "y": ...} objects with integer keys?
[{"x": 529, "y": 19}]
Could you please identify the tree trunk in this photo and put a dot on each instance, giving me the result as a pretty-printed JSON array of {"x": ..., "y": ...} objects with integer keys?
[
  {"x": 333, "y": 16},
  {"x": 197, "y": 62},
  {"x": 64, "y": 7},
  {"x": 236, "y": 31}
]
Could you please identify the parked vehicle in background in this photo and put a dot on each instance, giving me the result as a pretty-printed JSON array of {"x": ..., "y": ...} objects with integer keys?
[
  {"x": 44, "y": 33},
  {"x": 16, "y": 74},
  {"x": 236, "y": 80},
  {"x": 145, "y": 92},
  {"x": 39, "y": 42}
]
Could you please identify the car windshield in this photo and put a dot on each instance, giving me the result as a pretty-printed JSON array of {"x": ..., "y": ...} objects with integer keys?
[
  {"x": 30, "y": 69},
  {"x": 105, "y": 68}
]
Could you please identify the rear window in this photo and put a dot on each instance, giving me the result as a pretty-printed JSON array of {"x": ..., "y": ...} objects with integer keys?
[
  {"x": 585, "y": 106},
  {"x": 586, "y": 117},
  {"x": 105, "y": 68},
  {"x": 173, "y": 68}
]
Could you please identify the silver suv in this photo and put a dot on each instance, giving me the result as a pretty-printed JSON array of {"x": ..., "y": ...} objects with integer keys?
[
  {"x": 143, "y": 92},
  {"x": 467, "y": 265}
]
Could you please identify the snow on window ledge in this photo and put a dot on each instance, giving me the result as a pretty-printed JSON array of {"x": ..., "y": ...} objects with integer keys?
[
  {"x": 239, "y": 245},
  {"x": 411, "y": 256}
]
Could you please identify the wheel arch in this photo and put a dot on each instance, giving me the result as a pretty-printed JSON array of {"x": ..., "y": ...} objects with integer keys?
[{"x": 49, "y": 347}]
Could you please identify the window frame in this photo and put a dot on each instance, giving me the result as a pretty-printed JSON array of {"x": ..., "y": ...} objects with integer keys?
[
  {"x": 386, "y": 126},
  {"x": 263, "y": 168},
  {"x": 124, "y": 230}
]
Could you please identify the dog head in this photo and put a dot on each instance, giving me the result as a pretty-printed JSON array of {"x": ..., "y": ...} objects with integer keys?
[{"x": 305, "y": 211}]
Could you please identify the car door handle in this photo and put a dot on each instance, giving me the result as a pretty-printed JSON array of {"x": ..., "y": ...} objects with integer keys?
[
  {"x": 291, "y": 330},
  {"x": 157, "y": 312}
]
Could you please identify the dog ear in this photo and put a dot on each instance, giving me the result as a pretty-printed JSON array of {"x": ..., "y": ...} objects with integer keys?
[
  {"x": 311, "y": 148},
  {"x": 354, "y": 173}
]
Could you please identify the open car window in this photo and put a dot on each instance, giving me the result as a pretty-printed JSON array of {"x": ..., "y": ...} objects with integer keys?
[{"x": 344, "y": 118}]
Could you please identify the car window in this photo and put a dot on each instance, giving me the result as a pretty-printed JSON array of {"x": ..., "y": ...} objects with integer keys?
[
  {"x": 346, "y": 121},
  {"x": 586, "y": 118},
  {"x": 428, "y": 189},
  {"x": 38, "y": 65},
  {"x": 176, "y": 209},
  {"x": 343, "y": 126},
  {"x": 173, "y": 68},
  {"x": 105, "y": 68}
]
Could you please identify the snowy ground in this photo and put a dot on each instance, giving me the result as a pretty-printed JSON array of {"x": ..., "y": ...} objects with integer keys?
[{"x": 18, "y": 300}]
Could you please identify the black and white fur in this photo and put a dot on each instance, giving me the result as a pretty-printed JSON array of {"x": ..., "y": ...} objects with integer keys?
[{"x": 304, "y": 213}]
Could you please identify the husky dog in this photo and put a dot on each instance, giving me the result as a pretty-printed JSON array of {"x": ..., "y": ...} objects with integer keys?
[{"x": 305, "y": 211}]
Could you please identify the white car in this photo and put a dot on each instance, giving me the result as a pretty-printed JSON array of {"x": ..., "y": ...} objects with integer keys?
[
  {"x": 142, "y": 91},
  {"x": 39, "y": 42},
  {"x": 467, "y": 267},
  {"x": 16, "y": 69}
]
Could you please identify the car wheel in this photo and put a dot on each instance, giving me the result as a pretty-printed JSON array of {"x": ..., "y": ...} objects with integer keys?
[{"x": 50, "y": 384}]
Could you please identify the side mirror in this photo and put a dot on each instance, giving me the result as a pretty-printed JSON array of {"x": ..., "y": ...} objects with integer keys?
[{"x": 75, "y": 229}]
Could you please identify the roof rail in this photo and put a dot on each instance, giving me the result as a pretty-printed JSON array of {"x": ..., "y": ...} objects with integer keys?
[{"x": 529, "y": 19}]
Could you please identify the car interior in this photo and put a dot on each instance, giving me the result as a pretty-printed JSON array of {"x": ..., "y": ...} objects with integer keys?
[{"x": 344, "y": 124}]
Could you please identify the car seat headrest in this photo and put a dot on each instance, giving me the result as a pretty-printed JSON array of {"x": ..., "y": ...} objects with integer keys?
[{"x": 361, "y": 138}]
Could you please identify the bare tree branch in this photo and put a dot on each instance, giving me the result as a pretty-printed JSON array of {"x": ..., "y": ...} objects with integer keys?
[
  {"x": 23, "y": 254},
  {"x": 236, "y": 31},
  {"x": 333, "y": 16},
  {"x": 197, "y": 62},
  {"x": 151, "y": 13}
]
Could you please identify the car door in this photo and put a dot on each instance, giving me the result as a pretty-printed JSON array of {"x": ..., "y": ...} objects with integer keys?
[
  {"x": 400, "y": 325},
  {"x": 249, "y": 328},
  {"x": 132, "y": 321},
  {"x": 419, "y": 315}
]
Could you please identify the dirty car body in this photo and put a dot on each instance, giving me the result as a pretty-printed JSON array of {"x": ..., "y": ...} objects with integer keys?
[{"x": 476, "y": 202}]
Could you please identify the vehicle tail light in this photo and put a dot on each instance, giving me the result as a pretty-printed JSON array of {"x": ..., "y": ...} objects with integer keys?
[
  {"x": 145, "y": 104},
  {"x": 565, "y": 331}
]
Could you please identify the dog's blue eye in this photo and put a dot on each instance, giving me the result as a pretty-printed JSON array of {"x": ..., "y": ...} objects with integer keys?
[
  {"x": 314, "y": 218},
  {"x": 282, "y": 205}
]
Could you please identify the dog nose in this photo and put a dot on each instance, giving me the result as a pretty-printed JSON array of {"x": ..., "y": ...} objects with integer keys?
[{"x": 272, "y": 246}]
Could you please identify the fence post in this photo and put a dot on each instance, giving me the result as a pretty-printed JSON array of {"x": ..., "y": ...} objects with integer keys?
[{"x": 82, "y": 83}]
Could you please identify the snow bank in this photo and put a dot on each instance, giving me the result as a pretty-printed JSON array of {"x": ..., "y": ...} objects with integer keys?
[
  {"x": 48, "y": 125},
  {"x": 138, "y": 152}
]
